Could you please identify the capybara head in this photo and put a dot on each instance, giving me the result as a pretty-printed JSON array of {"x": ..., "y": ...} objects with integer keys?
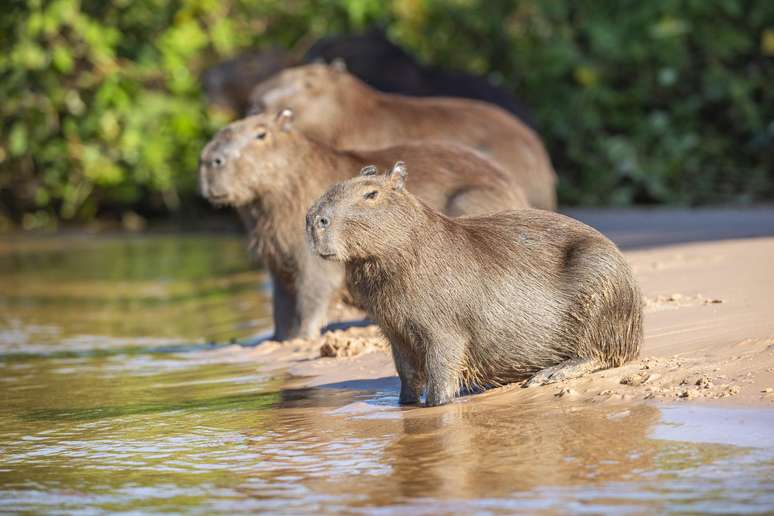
[
  {"x": 363, "y": 217},
  {"x": 313, "y": 90},
  {"x": 246, "y": 158}
]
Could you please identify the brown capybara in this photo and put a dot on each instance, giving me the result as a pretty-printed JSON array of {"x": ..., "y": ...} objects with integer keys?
[
  {"x": 272, "y": 173},
  {"x": 337, "y": 108},
  {"x": 477, "y": 301},
  {"x": 376, "y": 60}
]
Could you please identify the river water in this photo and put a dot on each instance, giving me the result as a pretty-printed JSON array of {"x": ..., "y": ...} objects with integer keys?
[{"x": 114, "y": 397}]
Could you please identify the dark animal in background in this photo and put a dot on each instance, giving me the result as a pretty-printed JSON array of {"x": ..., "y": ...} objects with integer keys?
[
  {"x": 272, "y": 173},
  {"x": 337, "y": 108},
  {"x": 369, "y": 56},
  {"x": 478, "y": 301},
  {"x": 227, "y": 85}
]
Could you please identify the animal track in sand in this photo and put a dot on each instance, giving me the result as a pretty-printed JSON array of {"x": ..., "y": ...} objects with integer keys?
[{"x": 675, "y": 301}]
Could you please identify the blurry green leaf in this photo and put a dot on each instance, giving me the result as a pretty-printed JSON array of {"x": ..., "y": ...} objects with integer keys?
[
  {"x": 17, "y": 141},
  {"x": 585, "y": 76},
  {"x": 767, "y": 42},
  {"x": 62, "y": 59},
  {"x": 669, "y": 27}
]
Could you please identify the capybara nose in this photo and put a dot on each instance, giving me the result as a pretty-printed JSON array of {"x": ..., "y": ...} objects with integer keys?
[{"x": 323, "y": 221}]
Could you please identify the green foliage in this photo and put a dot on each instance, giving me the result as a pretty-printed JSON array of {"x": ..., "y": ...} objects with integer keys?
[
  {"x": 648, "y": 102},
  {"x": 667, "y": 101}
]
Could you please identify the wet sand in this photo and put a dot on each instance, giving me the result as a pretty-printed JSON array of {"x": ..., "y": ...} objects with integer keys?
[{"x": 709, "y": 323}]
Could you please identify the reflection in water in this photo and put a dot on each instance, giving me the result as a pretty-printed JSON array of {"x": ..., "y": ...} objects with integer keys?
[
  {"x": 488, "y": 454},
  {"x": 138, "y": 430},
  {"x": 119, "y": 290}
]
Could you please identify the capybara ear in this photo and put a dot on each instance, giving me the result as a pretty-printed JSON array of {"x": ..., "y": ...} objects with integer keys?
[
  {"x": 285, "y": 119},
  {"x": 369, "y": 170},
  {"x": 396, "y": 177},
  {"x": 339, "y": 65}
]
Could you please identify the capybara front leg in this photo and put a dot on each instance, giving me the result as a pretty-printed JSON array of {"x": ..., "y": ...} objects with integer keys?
[
  {"x": 318, "y": 283},
  {"x": 443, "y": 372},
  {"x": 410, "y": 376},
  {"x": 566, "y": 370},
  {"x": 441, "y": 389},
  {"x": 283, "y": 311}
]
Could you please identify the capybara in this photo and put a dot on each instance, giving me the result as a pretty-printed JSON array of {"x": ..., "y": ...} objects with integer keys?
[
  {"x": 383, "y": 65},
  {"x": 272, "y": 173},
  {"x": 335, "y": 107},
  {"x": 477, "y": 301}
]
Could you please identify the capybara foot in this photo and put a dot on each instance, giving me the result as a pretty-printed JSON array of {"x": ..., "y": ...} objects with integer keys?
[
  {"x": 408, "y": 397},
  {"x": 435, "y": 401},
  {"x": 567, "y": 370},
  {"x": 439, "y": 394}
]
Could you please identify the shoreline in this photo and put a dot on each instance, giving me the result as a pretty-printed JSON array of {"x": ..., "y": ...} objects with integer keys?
[{"x": 709, "y": 338}]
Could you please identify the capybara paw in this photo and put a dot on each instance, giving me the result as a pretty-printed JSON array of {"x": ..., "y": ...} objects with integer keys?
[
  {"x": 567, "y": 370},
  {"x": 438, "y": 397},
  {"x": 434, "y": 402},
  {"x": 408, "y": 398}
]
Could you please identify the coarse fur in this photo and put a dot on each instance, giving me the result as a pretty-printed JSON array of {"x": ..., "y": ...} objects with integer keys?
[
  {"x": 337, "y": 108},
  {"x": 272, "y": 173},
  {"x": 476, "y": 301}
]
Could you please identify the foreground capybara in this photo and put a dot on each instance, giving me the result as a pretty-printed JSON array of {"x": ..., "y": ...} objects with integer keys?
[
  {"x": 477, "y": 301},
  {"x": 337, "y": 108},
  {"x": 272, "y": 173}
]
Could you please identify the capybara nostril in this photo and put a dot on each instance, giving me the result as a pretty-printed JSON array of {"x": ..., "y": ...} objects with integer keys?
[
  {"x": 218, "y": 161},
  {"x": 323, "y": 222}
]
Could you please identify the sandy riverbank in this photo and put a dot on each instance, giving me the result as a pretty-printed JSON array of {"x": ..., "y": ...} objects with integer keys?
[{"x": 709, "y": 326}]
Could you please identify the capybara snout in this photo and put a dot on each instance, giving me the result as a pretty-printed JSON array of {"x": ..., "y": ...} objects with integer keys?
[
  {"x": 213, "y": 183},
  {"x": 226, "y": 176},
  {"x": 319, "y": 231}
]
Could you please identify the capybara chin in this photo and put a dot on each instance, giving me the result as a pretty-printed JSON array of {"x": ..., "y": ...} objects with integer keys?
[
  {"x": 335, "y": 107},
  {"x": 272, "y": 173},
  {"x": 478, "y": 301}
]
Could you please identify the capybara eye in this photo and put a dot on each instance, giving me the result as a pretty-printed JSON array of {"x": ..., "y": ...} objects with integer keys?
[
  {"x": 371, "y": 195},
  {"x": 261, "y": 135}
]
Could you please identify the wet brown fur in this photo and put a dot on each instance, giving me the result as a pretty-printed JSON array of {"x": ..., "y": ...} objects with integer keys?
[
  {"x": 477, "y": 301},
  {"x": 274, "y": 179},
  {"x": 337, "y": 108}
]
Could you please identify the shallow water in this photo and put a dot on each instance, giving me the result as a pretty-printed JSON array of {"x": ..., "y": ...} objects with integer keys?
[{"x": 110, "y": 401}]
